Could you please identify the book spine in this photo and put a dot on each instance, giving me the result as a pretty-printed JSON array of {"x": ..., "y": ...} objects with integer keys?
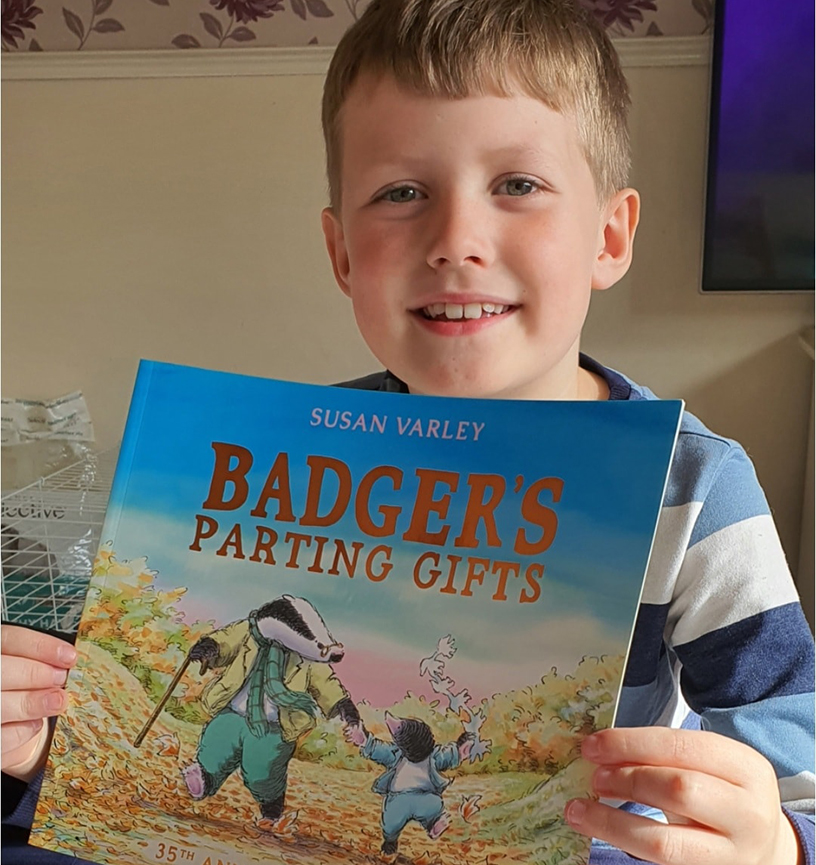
[{"x": 681, "y": 407}]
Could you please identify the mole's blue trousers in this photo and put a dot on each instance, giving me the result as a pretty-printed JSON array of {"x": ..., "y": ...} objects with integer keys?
[{"x": 400, "y": 808}]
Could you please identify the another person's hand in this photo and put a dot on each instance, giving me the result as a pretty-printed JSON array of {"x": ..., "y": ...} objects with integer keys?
[
  {"x": 720, "y": 796},
  {"x": 34, "y": 669}
]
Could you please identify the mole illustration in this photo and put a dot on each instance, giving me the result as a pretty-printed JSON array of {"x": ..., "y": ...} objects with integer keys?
[
  {"x": 412, "y": 784},
  {"x": 276, "y": 678}
]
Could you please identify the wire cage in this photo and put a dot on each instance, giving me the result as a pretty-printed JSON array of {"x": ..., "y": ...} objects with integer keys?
[{"x": 50, "y": 534}]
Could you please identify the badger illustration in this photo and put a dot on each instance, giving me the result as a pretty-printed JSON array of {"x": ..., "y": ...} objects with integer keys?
[
  {"x": 411, "y": 785},
  {"x": 276, "y": 678}
]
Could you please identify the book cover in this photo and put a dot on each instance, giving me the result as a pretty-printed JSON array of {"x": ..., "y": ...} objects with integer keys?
[{"x": 327, "y": 625}]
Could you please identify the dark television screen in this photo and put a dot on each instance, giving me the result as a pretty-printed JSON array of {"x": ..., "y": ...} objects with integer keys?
[{"x": 759, "y": 221}]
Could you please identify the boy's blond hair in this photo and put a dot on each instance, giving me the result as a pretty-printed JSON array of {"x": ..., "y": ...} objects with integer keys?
[{"x": 553, "y": 50}]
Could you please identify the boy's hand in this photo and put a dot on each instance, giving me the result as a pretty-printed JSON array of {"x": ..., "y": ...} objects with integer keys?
[
  {"x": 35, "y": 667},
  {"x": 720, "y": 796}
]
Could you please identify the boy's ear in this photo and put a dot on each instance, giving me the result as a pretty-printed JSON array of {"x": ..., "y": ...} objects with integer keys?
[
  {"x": 619, "y": 220},
  {"x": 336, "y": 246}
]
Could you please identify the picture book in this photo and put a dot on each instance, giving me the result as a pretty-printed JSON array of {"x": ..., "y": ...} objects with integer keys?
[{"x": 328, "y": 625}]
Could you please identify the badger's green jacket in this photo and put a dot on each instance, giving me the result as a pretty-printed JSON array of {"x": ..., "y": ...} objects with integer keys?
[{"x": 237, "y": 652}]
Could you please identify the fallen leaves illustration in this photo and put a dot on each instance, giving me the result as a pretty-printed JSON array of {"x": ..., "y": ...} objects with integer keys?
[
  {"x": 469, "y": 807},
  {"x": 103, "y": 799},
  {"x": 168, "y": 745}
]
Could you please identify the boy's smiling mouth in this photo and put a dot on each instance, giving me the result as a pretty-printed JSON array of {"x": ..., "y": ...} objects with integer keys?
[{"x": 461, "y": 311}]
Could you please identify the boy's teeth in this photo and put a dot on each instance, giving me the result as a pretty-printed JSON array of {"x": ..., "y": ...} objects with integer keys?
[{"x": 456, "y": 311}]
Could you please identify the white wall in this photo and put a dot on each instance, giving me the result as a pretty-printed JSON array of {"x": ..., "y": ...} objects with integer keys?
[{"x": 178, "y": 219}]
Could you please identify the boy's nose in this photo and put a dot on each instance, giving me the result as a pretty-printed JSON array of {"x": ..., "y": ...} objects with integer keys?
[{"x": 458, "y": 236}]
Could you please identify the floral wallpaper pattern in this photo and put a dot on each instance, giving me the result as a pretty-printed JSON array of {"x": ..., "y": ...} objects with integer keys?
[{"x": 111, "y": 25}]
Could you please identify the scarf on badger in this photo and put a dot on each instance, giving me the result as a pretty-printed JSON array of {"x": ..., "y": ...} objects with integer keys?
[{"x": 265, "y": 678}]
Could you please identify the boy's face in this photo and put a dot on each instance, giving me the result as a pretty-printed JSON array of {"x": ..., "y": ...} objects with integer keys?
[{"x": 469, "y": 240}]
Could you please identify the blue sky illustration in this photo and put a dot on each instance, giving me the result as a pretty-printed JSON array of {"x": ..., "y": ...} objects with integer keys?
[{"x": 611, "y": 456}]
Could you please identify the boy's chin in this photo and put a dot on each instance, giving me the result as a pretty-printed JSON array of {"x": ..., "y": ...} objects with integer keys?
[
  {"x": 494, "y": 387},
  {"x": 459, "y": 386},
  {"x": 490, "y": 377}
]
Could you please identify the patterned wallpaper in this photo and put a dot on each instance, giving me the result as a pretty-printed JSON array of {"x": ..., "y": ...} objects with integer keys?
[{"x": 111, "y": 25}]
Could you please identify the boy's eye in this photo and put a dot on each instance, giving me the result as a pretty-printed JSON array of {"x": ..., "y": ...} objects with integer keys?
[
  {"x": 401, "y": 194},
  {"x": 518, "y": 186}
]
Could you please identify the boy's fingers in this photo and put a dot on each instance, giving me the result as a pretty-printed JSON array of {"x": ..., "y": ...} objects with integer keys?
[
  {"x": 645, "y": 838},
  {"x": 25, "y": 643},
  {"x": 31, "y": 705},
  {"x": 23, "y": 674},
  {"x": 698, "y": 750},
  {"x": 695, "y": 796}
]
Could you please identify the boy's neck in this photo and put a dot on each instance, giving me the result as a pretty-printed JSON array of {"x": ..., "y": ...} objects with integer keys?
[{"x": 591, "y": 386}]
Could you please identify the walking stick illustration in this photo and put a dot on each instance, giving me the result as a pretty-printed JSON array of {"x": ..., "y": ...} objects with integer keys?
[{"x": 167, "y": 694}]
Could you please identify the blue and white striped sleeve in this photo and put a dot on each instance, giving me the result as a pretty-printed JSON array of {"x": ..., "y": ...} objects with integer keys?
[
  {"x": 721, "y": 641},
  {"x": 743, "y": 649}
]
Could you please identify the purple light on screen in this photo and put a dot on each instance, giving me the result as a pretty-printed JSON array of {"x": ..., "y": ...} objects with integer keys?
[
  {"x": 760, "y": 209},
  {"x": 767, "y": 86}
]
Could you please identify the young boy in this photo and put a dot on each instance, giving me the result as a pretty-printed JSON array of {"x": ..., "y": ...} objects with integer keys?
[{"x": 477, "y": 159}]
